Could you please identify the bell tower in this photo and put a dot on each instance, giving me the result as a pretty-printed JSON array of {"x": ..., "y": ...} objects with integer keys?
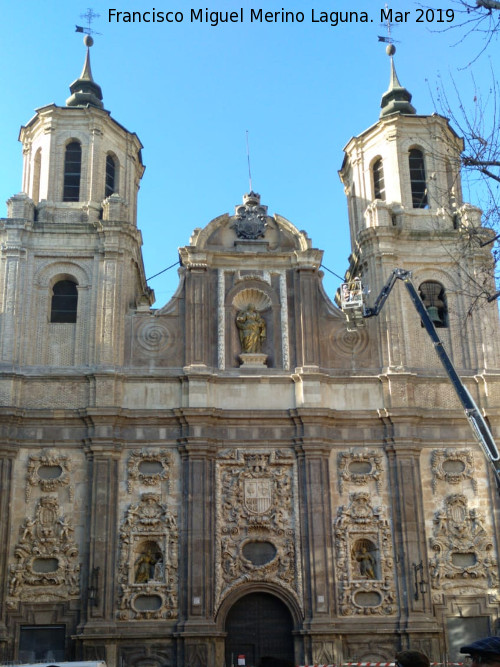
[
  {"x": 78, "y": 161},
  {"x": 403, "y": 186},
  {"x": 71, "y": 251}
]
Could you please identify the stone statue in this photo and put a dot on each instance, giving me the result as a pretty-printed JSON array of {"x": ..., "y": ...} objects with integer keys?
[
  {"x": 145, "y": 567},
  {"x": 366, "y": 563},
  {"x": 251, "y": 328}
]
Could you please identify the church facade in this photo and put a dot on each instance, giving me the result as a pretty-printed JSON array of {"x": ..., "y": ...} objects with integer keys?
[{"x": 241, "y": 471}]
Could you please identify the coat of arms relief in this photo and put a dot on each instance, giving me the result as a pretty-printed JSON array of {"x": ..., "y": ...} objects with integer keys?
[{"x": 256, "y": 523}]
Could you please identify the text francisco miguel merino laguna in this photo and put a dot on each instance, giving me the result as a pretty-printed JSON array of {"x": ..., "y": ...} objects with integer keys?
[{"x": 242, "y": 15}]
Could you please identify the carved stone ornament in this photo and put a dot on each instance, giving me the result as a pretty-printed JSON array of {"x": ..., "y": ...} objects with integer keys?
[
  {"x": 49, "y": 470},
  {"x": 148, "y": 467},
  {"x": 257, "y": 528},
  {"x": 453, "y": 466},
  {"x": 250, "y": 219},
  {"x": 365, "y": 563},
  {"x": 148, "y": 566},
  {"x": 360, "y": 467},
  {"x": 463, "y": 550},
  {"x": 47, "y": 567},
  {"x": 153, "y": 336}
]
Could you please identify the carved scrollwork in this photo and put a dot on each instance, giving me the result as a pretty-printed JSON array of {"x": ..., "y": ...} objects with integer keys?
[
  {"x": 50, "y": 470},
  {"x": 148, "y": 566},
  {"x": 256, "y": 529},
  {"x": 453, "y": 466},
  {"x": 360, "y": 467},
  {"x": 463, "y": 550},
  {"x": 363, "y": 547},
  {"x": 47, "y": 565},
  {"x": 148, "y": 467}
]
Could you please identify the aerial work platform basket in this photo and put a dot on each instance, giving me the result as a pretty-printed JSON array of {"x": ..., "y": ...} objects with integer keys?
[{"x": 351, "y": 303}]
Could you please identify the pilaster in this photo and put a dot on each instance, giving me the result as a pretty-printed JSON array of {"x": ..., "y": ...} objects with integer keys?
[
  {"x": 7, "y": 455},
  {"x": 103, "y": 460},
  {"x": 316, "y": 522},
  {"x": 197, "y": 300},
  {"x": 307, "y": 318}
]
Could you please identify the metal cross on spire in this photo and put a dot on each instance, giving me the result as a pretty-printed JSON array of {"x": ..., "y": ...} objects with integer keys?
[
  {"x": 389, "y": 39},
  {"x": 89, "y": 16}
]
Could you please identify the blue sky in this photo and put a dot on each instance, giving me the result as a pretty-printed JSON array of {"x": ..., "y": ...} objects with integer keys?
[{"x": 191, "y": 91}]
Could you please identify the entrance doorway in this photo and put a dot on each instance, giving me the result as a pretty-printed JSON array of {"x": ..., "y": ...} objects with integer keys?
[{"x": 259, "y": 626}]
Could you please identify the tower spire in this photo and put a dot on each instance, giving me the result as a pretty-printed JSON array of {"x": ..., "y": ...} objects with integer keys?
[
  {"x": 84, "y": 90},
  {"x": 396, "y": 99}
]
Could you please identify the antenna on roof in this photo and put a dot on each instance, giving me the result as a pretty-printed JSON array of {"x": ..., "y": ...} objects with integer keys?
[
  {"x": 89, "y": 16},
  {"x": 248, "y": 161}
]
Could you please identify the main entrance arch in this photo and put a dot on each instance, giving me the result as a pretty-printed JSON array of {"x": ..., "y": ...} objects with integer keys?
[{"x": 259, "y": 626}]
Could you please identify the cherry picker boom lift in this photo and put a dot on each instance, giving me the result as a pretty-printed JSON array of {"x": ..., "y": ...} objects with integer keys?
[{"x": 352, "y": 303}]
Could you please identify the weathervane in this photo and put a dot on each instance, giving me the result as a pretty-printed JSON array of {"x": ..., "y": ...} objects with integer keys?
[{"x": 89, "y": 16}]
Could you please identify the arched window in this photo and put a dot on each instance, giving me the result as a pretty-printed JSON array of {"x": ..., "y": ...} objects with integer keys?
[
  {"x": 72, "y": 171},
  {"x": 37, "y": 168},
  {"x": 64, "y": 301},
  {"x": 110, "y": 185},
  {"x": 417, "y": 179},
  {"x": 378, "y": 180},
  {"x": 433, "y": 295}
]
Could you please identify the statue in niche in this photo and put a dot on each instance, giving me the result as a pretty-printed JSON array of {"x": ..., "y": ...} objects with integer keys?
[
  {"x": 251, "y": 329},
  {"x": 366, "y": 562},
  {"x": 146, "y": 564}
]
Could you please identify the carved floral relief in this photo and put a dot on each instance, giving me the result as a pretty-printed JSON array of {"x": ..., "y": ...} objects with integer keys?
[
  {"x": 148, "y": 565},
  {"x": 463, "y": 550},
  {"x": 256, "y": 529},
  {"x": 47, "y": 565},
  {"x": 364, "y": 558},
  {"x": 49, "y": 470}
]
